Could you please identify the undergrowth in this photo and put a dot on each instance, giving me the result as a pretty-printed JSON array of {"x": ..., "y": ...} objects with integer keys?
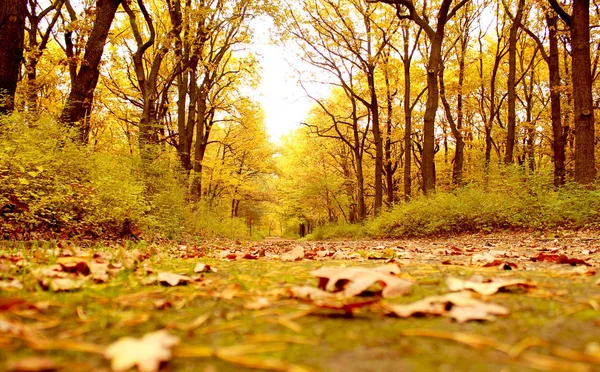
[
  {"x": 51, "y": 187},
  {"x": 473, "y": 208}
]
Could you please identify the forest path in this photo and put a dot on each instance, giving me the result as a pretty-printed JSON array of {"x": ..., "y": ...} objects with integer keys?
[{"x": 503, "y": 301}]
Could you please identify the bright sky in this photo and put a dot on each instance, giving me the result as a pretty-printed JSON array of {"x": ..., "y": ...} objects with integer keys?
[{"x": 284, "y": 101}]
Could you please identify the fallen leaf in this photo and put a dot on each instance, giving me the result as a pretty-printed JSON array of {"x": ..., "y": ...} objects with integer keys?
[
  {"x": 147, "y": 353},
  {"x": 296, "y": 254},
  {"x": 484, "y": 287},
  {"x": 227, "y": 255},
  {"x": 460, "y": 306},
  {"x": 558, "y": 259},
  {"x": 74, "y": 265},
  {"x": 352, "y": 281},
  {"x": 33, "y": 364},
  {"x": 61, "y": 284},
  {"x": 204, "y": 268},
  {"x": 482, "y": 258},
  {"x": 173, "y": 279}
]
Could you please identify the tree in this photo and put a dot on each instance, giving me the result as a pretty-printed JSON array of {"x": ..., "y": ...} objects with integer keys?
[
  {"x": 435, "y": 37},
  {"x": 511, "y": 83},
  {"x": 12, "y": 24},
  {"x": 581, "y": 76},
  {"x": 78, "y": 107},
  {"x": 147, "y": 74},
  {"x": 356, "y": 34},
  {"x": 559, "y": 134},
  {"x": 37, "y": 43}
]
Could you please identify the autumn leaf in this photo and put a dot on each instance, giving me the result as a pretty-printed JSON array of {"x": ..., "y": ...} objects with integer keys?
[
  {"x": 204, "y": 268},
  {"x": 170, "y": 279},
  {"x": 460, "y": 306},
  {"x": 353, "y": 281},
  {"x": 558, "y": 259},
  {"x": 296, "y": 254},
  {"x": 61, "y": 284},
  {"x": 147, "y": 353},
  {"x": 484, "y": 286}
]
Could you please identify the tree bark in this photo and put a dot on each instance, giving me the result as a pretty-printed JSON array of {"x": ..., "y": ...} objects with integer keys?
[
  {"x": 581, "y": 78},
  {"x": 78, "y": 107},
  {"x": 12, "y": 24},
  {"x": 558, "y": 137},
  {"x": 407, "y": 117},
  {"x": 511, "y": 88}
]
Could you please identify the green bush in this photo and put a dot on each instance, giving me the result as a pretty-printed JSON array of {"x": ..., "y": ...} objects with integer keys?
[
  {"x": 514, "y": 204},
  {"x": 51, "y": 186}
]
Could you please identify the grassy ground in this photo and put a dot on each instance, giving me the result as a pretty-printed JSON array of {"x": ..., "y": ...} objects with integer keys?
[{"x": 553, "y": 326}]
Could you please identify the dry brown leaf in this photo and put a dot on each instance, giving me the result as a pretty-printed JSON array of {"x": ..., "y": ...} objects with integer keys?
[
  {"x": 296, "y": 254},
  {"x": 460, "y": 306},
  {"x": 227, "y": 255},
  {"x": 558, "y": 259},
  {"x": 147, "y": 352},
  {"x": 482, "y": 258},
  {"x": 61, "y": 284},
  {"x": 171, "y": 279},
  {"x": 33, "y": 364},
  {"x": 352, "y": 281},
  {"x": 74, "y": 265},
  {"x": 204, "y": 268},
  {"x": 483, "y": 286}
]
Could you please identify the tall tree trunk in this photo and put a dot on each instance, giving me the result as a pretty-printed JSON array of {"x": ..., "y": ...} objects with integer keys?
[
  {"x": 585, "y": 163},
  {"x": 389, "y": 166},
  {"x": 374, "y": 108},
  {"x": 202, "y": 131},
  {"x": 558, "y": 137},
  {"x": 407, "y": 117},
  {"x": 457, "y": 167},
  {"x": 12, "y": 24},
  {"x": 78, "y": 107},
  {"x": 433, "y": 68},
  {"x": 581, "y": 78},
  {"x": 511, "y": 82}
]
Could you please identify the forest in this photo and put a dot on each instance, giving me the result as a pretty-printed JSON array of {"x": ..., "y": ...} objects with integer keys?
[
  {"x": 141, "y": 118},
  {"x": 436, "y": 208}
]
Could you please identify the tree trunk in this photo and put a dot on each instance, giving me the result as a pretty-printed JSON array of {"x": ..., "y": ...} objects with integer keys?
[
  {"x": 374, "y": 108},
  {"x": 581, "y": 78},
  {"x": 389, "y": 166},
  {"x": 78, "y": 107},
  {"x": 558, "y": 137},
  {"x": 202, "y": 131},
  {"x": 585, "y": 164},
  {"x": 12, "y": 24},
  {"x": 457, "y": 167},
  {"x": 511, "y": 88},
  {"x": 407, "y": 118},
  {"x": 433, "y": 68}
]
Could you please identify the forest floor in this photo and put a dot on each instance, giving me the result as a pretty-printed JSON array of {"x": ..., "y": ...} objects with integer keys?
[{"x": 511, "y": 301}]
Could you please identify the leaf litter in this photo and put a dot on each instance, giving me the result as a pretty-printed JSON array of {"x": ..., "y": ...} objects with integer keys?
[{"x": 347, "y": 284}]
